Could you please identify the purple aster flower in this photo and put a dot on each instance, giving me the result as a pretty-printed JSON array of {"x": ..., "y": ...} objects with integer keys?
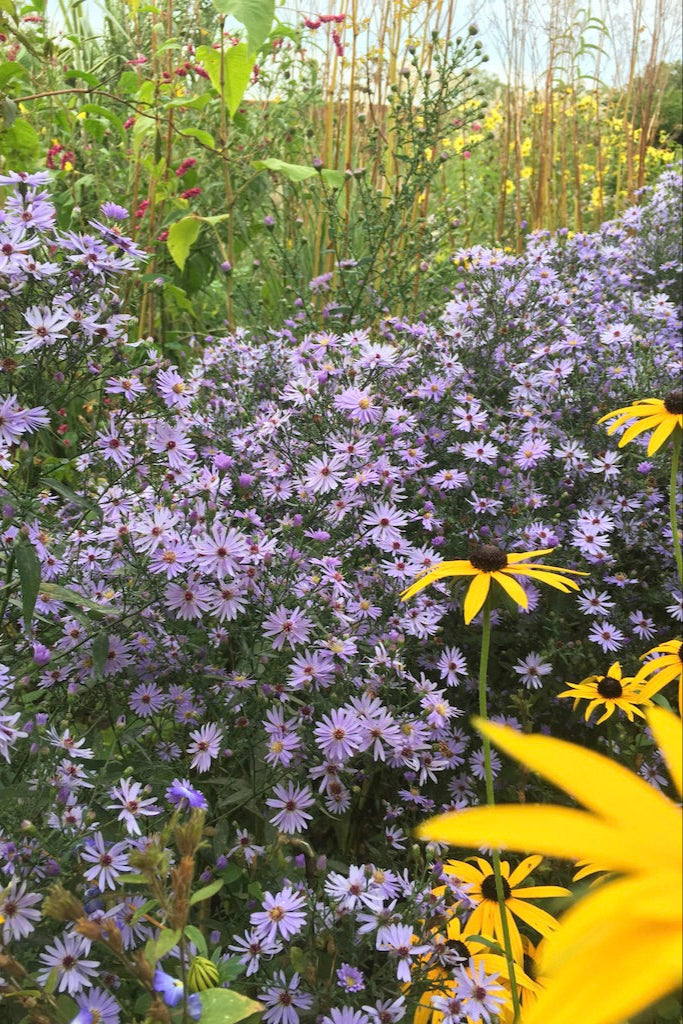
[
  {"x": 188, "y": 601},
  {"x": 290, "y": 626},
  {"x": 205, "y": 746},
  {"x": 173, "y": 389},
  {"x": 113, "y": 210},
  {"x": 246, "y": 846},
  {"x": 252, "y": 947},
  {"x": 345, "y": 1015},
  {"x": 350, "y": 978},
  {"x": 68, "y": 957},
  {"x": 222, "y": 551},
  {"x": 282, "y": 915},
  {"x": 607, "y": 636},
  {"x": 382, "y": 525},
  {"x": 398, "y": 941},
  {"x": 182, "y": 794},
  {"x": 481, "y": 994},
  {"x": 532, "y": 669},
  {"x": 360, "y": 406},
  {"x": 146, "y": 699},
  {"x": 108, "y": 863},
  {"x": 593, "y": 603},
  {"x": 46, "y": 327},
  {"x": 100, "y": 1005},
  {"x": 339, "y": 734},
  {"x": 17, "y": 908},
  {"x": 283, "y": 998},
  {"x": 291, "y": 803},
  {"x": 387, "y": 1011},
  {"x": 131, "y": 805}
]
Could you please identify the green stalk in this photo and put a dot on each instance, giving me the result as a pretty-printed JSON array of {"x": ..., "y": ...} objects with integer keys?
[
  {"x": 672, "y": 503},
  {"x": 483, "y": 713}
]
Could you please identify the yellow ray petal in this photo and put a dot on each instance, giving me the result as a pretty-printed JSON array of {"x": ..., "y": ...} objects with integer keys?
[
  {"x": 665, "y": 428},
  {"x": 611, "y": 980},
  {"x": 537, "y": 918},
  {"x": 629, "y": 409},
  {"x": 523, "y": 555},
  {"x": 476, "y": 595},
  {"x": 592, "y": 779},
  {"x": 513, "y": 588},
  {"x": 524, "y": 869},
  {"x": 540, "y": 575},
  {"x": 540, "y": 892},
  {"x": 639, "y": 428},
  {"x": 667, "y": 730},
  {"x": 460, "y": 567},
  {"x": 554, "y": 831}
]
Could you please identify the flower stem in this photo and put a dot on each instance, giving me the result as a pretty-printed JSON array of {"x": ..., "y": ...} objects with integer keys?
[
  {"x": 488, "y": 774},
  {"x": 672, "y": 503}
]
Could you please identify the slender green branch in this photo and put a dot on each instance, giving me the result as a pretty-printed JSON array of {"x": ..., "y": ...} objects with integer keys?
[{"x": 675, "y": 533}]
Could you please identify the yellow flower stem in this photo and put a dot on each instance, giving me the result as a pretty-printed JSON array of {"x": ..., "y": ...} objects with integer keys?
[
  {"x": 488, "y": 775},
  {"x": 672, "y": 502}
]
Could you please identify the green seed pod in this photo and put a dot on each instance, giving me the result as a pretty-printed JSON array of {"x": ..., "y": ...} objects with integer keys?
[{"x": 202, "y": 974}]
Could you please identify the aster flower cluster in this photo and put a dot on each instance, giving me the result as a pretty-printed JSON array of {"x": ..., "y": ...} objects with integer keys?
[{"x": 201, "y": 590}]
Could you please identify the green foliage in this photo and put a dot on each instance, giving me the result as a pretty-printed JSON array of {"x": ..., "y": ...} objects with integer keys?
[
  {"x": 256, "y": 16},
  {"x": 221, "y": 1006}
]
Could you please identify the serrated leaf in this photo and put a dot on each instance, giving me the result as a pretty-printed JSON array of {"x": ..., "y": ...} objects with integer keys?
[
  {"x": 256, "y": 15},
  {"x": 223, "y": 1006},
  {"x": 194, "y": 935},
  {"x": 206, "y": 892},
  {"x": 28, "y": 567},
  {"x": 181, "y": 237},
  {"x": 155, "y": 949}
]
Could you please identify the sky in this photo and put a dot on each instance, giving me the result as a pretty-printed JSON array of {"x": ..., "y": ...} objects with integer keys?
[{"x": 506, "y": 27}]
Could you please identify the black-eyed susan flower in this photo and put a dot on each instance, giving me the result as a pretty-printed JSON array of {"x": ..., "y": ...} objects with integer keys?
[
  {"x": 620, "y": 947},
  {"x": 488, "y": 563},
  {"x": 663, "y": 416},
  {"x": 613, "y": 691},
  {"x": 486, "y": 917},
  {"x": 662, "y": 670}
]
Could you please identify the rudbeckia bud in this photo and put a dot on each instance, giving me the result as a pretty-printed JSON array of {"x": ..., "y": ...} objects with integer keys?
[{"x": 202, "y": 974}]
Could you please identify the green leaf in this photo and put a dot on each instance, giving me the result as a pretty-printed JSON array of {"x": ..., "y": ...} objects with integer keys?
[
  {"x": 128, "y": 83},
  {"x": 223, "y": 1006},
  {"x": 206, "y": 892},
  {"x": 194, "y": 935},
  {"x": 100, "y": 650},
  {"x": 155, "y": 949},
  {"x": 108, "y": 115},
  {"x": 12, "y": 69},
  {"x": 8, "y": 112},
  {"x": 28, "y": 566},
  {"x": 295, "y": 172},
  {"x": 237, "y": 68},
  {"x": 172, "y": 291},
  {"x": 206, "y": 138},
  {"x": 335, "y": 179},
  {"x": 72, "y": 75},
  {"x": 71, "y": 597},
  {"x": 256, "y": 16},
  {"x": 76, "y": 499},
  {"x": 147, "y": 905},
  {"x": 20, "y": 140},
  {"x": 181, "y": 237}
]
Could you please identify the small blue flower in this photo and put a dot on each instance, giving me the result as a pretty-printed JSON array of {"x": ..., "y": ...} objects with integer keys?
[
  {"x": 170, "y": 989},
  {"x": 182, "y": 794}
]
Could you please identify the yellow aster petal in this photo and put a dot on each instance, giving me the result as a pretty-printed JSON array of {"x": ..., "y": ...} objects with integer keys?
[
  {"x": 459, "y": 567},
  {"x": 553, "y": 831},
  {"x": 660, "y": 435},
  {"x": 512, "y": 588},
  {"x": 667, "y": 729},
  {"x": 590, "y": 778},
  {"x": 476, "y": 595}
]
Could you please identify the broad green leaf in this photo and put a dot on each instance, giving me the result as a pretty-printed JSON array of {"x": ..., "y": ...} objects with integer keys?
[
  {"x": 195, "y": 103},
  {"x": 146, "y": 906},
  {"x": 216, "y": 219},
  {"x": 181, "y": 237},
  {"x": 206, "y": 892},
  {"x": 256, "y": 16},
  {"x": 295, "y": 172},
  {"x": 172, "y": 291},
  {"x": 128, "y": 83},
  {"x": 331, "y": 177},
  {"x": 28, "y": 567},
  {"x": 194, "y": 935},
  {"x": 237, "y": 68},
  {"x": 206, "y": 138},
  {"x": 74, "y": 74},
  {"x": 12, "y": 69},
  {"x": 76, "y": 499},
  {"x": 155, "y": 949},
  {"x": 108, "y": 115},
  {"x": 20, "y": 140},
  {"x": 8, "y": 112},
  {"x": 223, "y": 1006},
  {"x": 100, "y": 650}
]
